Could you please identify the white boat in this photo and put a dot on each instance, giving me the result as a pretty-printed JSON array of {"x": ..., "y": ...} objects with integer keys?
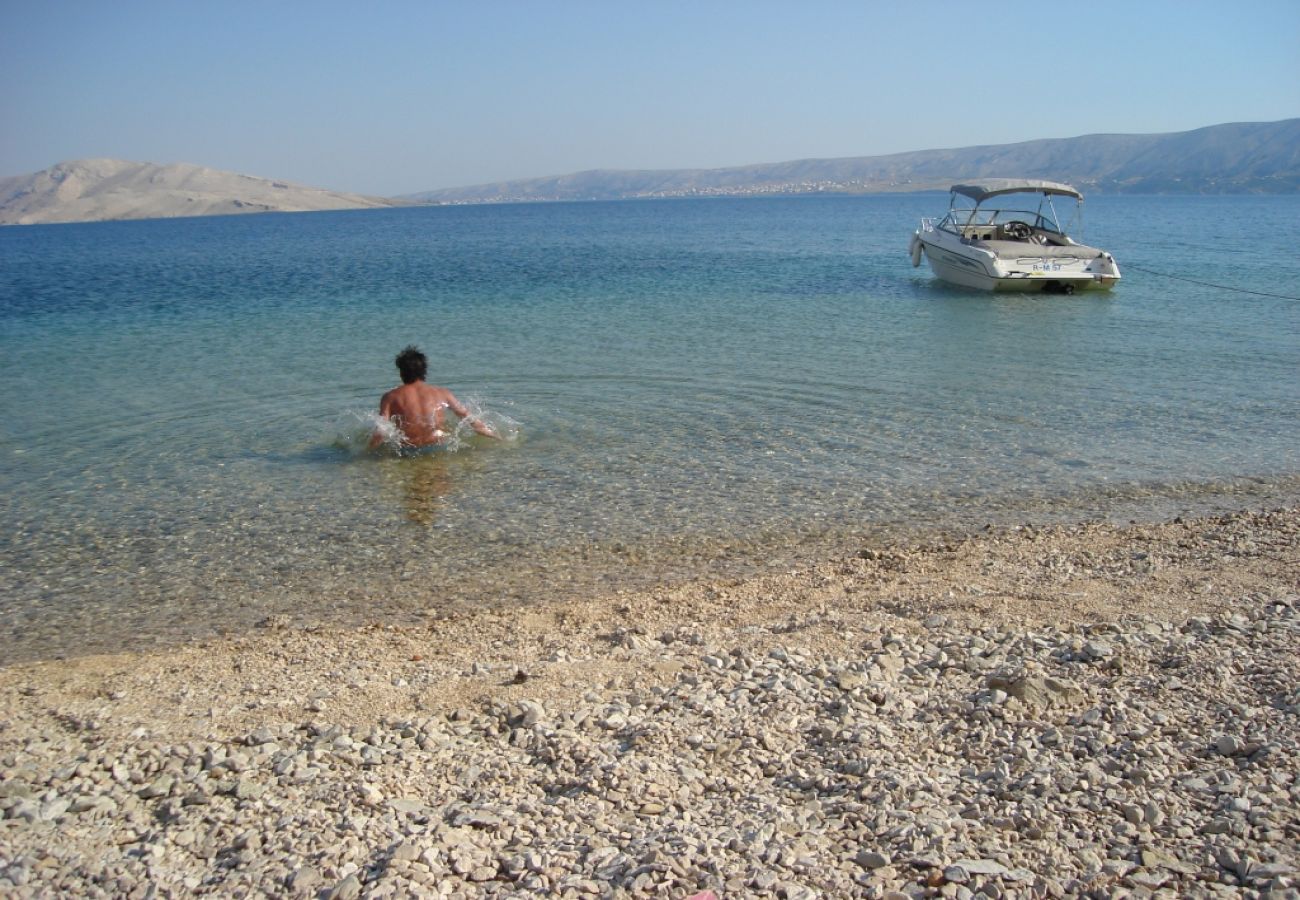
[{"x": 1005, "y": 247}]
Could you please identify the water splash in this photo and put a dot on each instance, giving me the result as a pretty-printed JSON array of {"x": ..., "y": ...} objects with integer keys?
[
  {"x": 502, "y": 425},
  {"x": 390, "y": 435}
]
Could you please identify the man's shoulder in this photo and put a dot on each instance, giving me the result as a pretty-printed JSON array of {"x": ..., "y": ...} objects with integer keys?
[
  {"x": 397, "y": 395},
  {"x": 434, "y": 390}
]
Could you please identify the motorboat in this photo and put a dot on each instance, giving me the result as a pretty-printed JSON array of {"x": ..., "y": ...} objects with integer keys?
[{"x": 1011, "y": 245}]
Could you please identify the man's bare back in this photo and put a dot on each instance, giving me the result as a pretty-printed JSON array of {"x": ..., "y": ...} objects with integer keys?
[
  {"x": 418, "y": 409},
  {"x": 419, "y": 412}
]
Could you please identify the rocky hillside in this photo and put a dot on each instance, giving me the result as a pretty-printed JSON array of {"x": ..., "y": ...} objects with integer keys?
[
  {"x": 95, "y": 189},
  {"x": 1237, "y": 158}
]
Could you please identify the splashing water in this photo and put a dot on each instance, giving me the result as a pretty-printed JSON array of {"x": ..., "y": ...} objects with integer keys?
[
  {"x": 390, "y": 435},
  {"x": 502, "y": 425}
]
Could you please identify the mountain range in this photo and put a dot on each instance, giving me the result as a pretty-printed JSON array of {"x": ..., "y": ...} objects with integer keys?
[
  {"x": 1257, "y": 157},
  {"x": 1236, "y": 158}
]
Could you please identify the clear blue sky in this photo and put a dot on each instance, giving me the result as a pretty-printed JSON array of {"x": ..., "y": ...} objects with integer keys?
[{"x": 397, "y": 97}]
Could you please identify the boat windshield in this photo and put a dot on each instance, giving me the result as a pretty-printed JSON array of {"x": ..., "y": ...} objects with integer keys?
[
  {"x": 984, "y": 216},
  {"x": 1009, "y": 208}
]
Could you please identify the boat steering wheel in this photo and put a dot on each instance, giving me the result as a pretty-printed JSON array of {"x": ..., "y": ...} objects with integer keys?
[{"x": 1017, "y": 230}]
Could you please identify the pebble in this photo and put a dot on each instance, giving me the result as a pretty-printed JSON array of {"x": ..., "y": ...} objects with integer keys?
[
  {"x": 1227, "y": 745},
  {"x": 870, "y": 859}
]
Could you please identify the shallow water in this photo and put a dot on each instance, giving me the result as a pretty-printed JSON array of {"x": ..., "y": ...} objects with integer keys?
[{"x": 699, "y": 387}]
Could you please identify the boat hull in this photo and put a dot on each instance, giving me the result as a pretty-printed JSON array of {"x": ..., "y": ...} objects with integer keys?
[{"x": 983, "y": 270}]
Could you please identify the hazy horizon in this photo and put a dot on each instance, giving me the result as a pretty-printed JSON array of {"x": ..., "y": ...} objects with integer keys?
[{"x": 409, "y": 98}]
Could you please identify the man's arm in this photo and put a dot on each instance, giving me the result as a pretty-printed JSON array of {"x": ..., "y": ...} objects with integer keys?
[{"x": 461, "y": 410}]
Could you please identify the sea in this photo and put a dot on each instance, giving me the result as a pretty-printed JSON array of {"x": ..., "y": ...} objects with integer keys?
[{"x": 704, "y": 388}]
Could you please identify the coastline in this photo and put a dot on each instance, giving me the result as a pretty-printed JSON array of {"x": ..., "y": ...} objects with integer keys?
[{"x": 1051, "y": 710}]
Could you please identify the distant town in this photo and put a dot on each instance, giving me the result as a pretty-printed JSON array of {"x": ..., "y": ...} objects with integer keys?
[{"x": 788, "y": 188}]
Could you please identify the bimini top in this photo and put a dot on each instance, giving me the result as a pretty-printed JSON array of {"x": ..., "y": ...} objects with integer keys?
[{"x": 980, "y": 191}]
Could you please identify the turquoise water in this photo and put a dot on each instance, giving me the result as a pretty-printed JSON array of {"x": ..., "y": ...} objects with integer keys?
[{"x": 691, "y": 387}]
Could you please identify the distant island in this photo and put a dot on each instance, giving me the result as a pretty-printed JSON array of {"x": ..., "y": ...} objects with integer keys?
[
  {"x": 1241, "y": 158},
  {"x": 97, "y": 189}
]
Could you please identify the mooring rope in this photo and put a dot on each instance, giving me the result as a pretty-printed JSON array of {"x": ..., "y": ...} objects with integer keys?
[{"x": 1222, "y": 287}]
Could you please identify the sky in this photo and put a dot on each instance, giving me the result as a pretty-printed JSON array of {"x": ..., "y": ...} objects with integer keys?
[{"x": 396, "y": 97}]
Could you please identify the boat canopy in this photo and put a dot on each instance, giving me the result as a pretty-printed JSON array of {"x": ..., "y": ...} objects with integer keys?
[{"x": 980, "y": 191}]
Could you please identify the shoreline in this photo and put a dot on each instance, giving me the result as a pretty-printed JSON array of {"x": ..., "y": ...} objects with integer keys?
[
  {"x": 150, "y": 616},
  {"x": 615, "y": 741}
]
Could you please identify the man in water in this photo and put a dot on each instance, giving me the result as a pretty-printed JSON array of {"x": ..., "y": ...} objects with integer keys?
[{"x": 417, "y": 409}]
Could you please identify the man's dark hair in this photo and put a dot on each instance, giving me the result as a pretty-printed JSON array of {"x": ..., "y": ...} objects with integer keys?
[{"x": 412, "y": 364}]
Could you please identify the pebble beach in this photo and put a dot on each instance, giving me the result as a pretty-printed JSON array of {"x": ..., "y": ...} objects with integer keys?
[{"x": 1089, "y": 710}]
